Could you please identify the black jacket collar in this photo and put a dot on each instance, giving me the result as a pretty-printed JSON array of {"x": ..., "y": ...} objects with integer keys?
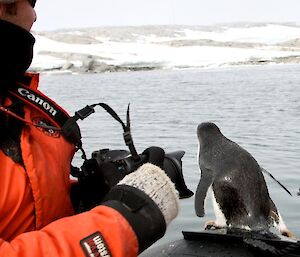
[{"x": 16, "y": 51}]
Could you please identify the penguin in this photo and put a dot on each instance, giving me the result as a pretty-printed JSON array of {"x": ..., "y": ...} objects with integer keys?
[{"x": 239, "y": 192}]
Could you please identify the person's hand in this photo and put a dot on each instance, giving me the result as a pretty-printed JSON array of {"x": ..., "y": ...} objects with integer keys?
[
  {"x": 154, "y": 182},
  {"x": 91, "y": 187},
  {"x": 146, "y": 196},
  {"x": 155, "y": 155},
  {"x": 94, "y": 182}
]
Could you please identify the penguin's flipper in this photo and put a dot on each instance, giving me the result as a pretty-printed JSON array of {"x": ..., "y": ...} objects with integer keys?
[{"x": 205, "y": 182}]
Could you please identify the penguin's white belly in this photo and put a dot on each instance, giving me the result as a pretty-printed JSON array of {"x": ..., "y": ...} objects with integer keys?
[{"x": 220, "y": 218}]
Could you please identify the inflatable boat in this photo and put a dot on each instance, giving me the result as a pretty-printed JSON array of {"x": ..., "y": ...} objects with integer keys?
[{"x": 225, "y": 243}]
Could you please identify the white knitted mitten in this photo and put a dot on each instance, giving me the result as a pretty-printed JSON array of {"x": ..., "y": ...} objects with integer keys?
[{"x": 153, "y": 181}]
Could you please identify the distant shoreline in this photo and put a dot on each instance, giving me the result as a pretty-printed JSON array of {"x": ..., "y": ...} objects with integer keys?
[{"x": 139, "y": 48}]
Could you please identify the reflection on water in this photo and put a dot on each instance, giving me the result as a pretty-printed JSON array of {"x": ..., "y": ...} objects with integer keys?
[{"x": 257, "y": 107}]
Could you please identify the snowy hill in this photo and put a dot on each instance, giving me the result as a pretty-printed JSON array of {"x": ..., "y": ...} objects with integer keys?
[{"x": 165, "y": 47}]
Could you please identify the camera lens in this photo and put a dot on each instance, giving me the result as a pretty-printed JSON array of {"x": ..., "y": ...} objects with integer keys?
[{"x": 173, "y": 168}]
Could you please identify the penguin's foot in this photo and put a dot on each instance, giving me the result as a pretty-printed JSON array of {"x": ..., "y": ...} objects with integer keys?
[
  {"x": 288, "y": 234},
  {"x": 211, "y": 225}
]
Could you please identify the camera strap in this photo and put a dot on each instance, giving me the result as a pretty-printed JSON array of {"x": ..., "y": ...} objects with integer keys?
[
  {"x": 89, "y": 109},
  {"x": 60, "y": 119},
  {"x": 40, "y": 102},
  {"x": 57, "y": 117}
]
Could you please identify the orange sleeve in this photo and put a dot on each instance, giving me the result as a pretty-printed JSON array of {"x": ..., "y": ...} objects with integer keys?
[{"x": 101, "y": 231}]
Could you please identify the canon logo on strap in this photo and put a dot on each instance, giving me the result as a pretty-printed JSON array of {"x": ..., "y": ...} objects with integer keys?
[{"x": 38, "y": 100}]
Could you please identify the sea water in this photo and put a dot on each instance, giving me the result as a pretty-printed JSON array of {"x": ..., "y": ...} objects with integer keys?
[{"x": 258, "y": 107}]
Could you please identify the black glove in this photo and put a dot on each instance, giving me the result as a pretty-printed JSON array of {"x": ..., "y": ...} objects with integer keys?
[
  {"x": 93, "y": 184},
  {"x": 155, "y": 155}
]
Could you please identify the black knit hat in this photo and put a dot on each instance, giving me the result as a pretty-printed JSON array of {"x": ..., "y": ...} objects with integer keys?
[{"x": 32, "y": 2}]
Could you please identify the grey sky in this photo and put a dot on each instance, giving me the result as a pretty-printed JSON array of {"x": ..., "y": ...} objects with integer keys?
[{"x": 55, "y": 14}]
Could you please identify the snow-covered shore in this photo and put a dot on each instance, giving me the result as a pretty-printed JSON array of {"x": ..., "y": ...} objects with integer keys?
[{"x": 165, "y": 47}]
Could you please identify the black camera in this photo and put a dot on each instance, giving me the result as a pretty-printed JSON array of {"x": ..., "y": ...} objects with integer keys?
[
  {"x": 116, "y": 164},
  {"x": 107, "y": 167}
]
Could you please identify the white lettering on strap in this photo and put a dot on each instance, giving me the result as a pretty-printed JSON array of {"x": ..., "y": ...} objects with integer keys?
[{"x": 33, "y": 98}]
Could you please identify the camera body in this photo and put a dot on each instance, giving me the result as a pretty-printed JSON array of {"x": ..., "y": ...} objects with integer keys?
[
  {"x": 107, "y": 167},
  {"x": 123, "y": 163}
]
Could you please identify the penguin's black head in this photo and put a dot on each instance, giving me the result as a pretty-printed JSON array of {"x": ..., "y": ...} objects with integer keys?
[{"x": 207, "y": 130}]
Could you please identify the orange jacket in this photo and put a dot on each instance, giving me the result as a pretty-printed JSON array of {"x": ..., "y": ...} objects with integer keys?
[{"x": 35, "y": 208}]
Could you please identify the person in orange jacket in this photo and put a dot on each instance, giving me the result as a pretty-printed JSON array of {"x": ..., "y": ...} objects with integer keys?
[{"x": 37, "y": 217}]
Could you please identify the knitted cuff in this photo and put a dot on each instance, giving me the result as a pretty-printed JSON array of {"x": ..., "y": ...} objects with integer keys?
[{"x": 156, "y": 184}]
